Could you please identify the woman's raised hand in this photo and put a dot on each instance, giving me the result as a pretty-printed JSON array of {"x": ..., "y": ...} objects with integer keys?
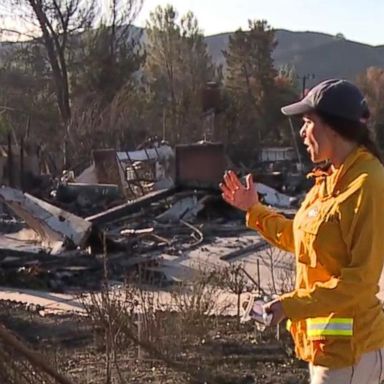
[{"x": 236, "y": 194}]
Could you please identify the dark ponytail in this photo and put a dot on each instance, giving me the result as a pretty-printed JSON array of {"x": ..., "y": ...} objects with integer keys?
[
  {"x": 369, "y": 143},
  {"x": 356, "y": 131}
]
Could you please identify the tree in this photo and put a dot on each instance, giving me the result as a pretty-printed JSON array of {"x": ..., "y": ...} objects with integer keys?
[
  {"x": 59, "y": 32},
  {"x": 288, "y": 73},
  {"x": 250, "y": 80},
  {"x": 371, "y": 83},
  {"x": 107, "y": 81},
  {"x": 340, "y": 36},
  {"x": 120, "y": 124},
  {"x": 112, "y": 53},
  {"x": 27, "y": 94},
  {"x": 287, "y": 91},
  {"x": 177, "y": 69},
  {"x": 51, "y": 23}
]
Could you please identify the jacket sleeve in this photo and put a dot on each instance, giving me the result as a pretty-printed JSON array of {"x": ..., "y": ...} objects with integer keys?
[
  {"x": 361, "y": 222},
  {"x": 274, "y": 227}
]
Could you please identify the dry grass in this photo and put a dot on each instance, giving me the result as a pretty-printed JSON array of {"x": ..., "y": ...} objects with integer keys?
[
  {"x": 131, "y": 324},
  {"x": 134, "y": 316}
]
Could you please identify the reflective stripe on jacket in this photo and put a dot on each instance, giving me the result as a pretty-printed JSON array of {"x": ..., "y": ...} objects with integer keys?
[
  {"x": 337, "y": 237},
  {"x": 324, "y": 326}
]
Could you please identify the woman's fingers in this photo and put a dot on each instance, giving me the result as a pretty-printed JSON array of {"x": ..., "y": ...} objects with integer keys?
[
  {"x": 236, "y": 194},
  {"x": 229, "y": 182},
  {"x": 225, "y": 189},
  {"x": 249, "y": 181},
  {"x": 235, "y": 180}
]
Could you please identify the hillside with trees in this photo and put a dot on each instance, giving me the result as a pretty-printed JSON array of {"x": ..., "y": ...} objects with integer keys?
[{"x": 90, "y": 79}]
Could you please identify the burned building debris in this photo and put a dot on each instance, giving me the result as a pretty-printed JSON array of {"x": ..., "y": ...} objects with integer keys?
[{"x": 144, "y": 210}]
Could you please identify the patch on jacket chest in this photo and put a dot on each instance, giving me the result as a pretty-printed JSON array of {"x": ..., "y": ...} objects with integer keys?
[{"x": 313, "y": 212}]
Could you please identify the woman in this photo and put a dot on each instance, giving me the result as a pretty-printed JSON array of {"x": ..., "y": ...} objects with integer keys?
[{"x": 337, "y": 236}]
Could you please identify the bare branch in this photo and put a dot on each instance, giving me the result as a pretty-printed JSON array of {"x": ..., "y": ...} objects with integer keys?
[{"x": 17, "y": 33}]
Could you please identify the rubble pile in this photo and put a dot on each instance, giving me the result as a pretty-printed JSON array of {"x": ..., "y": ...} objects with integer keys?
[
  {"x": 139, "y": 239},
  {"x": 110, "y": 225}
]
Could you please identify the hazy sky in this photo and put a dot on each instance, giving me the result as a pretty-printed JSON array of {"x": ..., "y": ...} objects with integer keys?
[{"x": 358, "y": 20}]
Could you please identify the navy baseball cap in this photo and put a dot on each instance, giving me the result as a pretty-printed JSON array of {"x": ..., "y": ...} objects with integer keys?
[{"x": 335, "y": 97}]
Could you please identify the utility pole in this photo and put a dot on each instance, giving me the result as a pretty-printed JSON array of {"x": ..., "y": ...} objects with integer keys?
[
  {"x": 210, "y": 106},
  {"x": 304, "y": 78}
]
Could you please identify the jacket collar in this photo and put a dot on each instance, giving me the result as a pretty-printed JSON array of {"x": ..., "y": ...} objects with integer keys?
[{"x": 328, "y": 180}]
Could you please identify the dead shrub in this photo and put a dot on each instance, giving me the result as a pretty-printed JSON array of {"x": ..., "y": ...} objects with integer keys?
[{"x": 162, "y": 329}]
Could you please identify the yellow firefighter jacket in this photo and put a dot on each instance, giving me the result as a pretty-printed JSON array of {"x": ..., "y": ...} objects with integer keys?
[{"x": 337, "y": 237}]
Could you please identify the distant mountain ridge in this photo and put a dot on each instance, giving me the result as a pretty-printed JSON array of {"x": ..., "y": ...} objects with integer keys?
[{"x": 324, "y": 55}]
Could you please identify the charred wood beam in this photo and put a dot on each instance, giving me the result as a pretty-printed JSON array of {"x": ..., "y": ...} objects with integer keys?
[
  {"x": 14, "y": 258},
  {"x": 259, "y": 246},
  {"x": 122, "y": 211}
]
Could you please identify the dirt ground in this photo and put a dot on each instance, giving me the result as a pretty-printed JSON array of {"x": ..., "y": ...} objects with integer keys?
[{"x": 229, "y": 355}]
